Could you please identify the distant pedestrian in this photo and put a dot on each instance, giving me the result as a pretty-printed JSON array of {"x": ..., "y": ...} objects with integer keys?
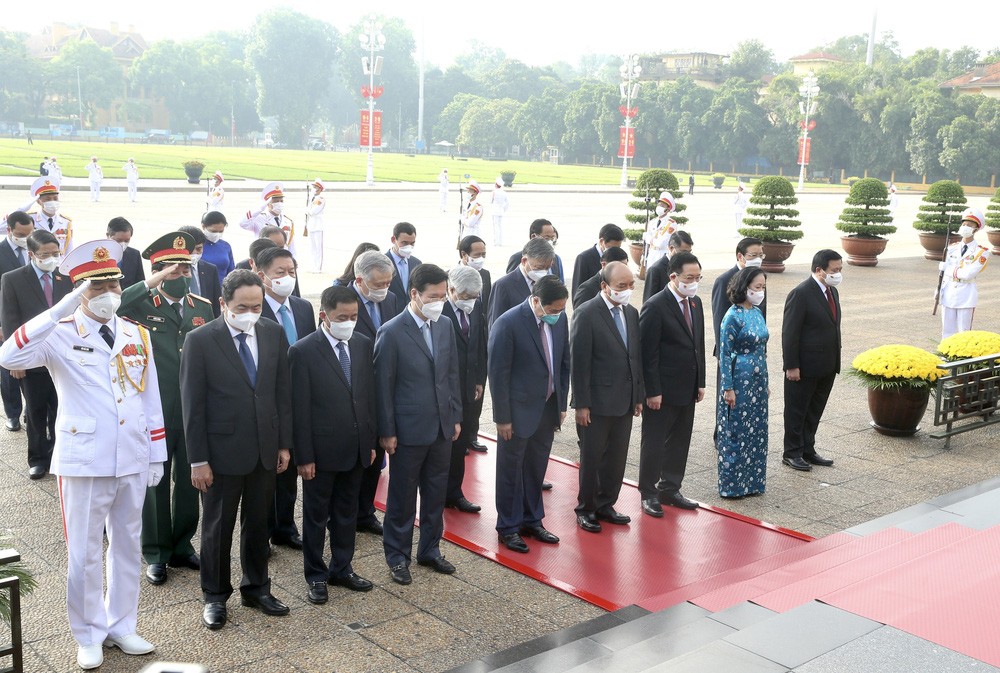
[
  {"x": 691, "y": 184},
  {"x": 43, "y": 168},
  {"x": 30, "y": 140}
]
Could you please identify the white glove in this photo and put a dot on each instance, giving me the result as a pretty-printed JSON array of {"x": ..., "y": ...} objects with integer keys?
[
  {"x": 941, "y": 266},
  {"x": 155, "y": 474},
  {"x": 68, "y": 304}
]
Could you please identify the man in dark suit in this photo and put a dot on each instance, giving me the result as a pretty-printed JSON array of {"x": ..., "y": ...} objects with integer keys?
[
  {"x": 672, "y": 329},
  {"x": 465, "y": 310},
  {"x": 276, "y": 267},
  {"x": 263, "y": 243},
  {"x": 13, "y": 255},
  {"x": 515, "y": 287},
  {"x": 333, "y": 405},
  {"x": 237, "y": 406},
  {"x": 588, "y": 262},
  {"x": 472, "y": 252},
  {"x": 204, "y": 275},
  {"x": 658, "y": 275},
  {"x": 404, "y": 237},
  {"x": 540, "y": 228},
  {"x": 591, "y": 287},
  {"x": 27, "y": 292},
  {"x": 120, "y": 231},
  {"x": 810, "y": 349},
  {"x": 529, "y": 363},
  {"x": 749, "y": 252},
  {"x": 607, "y": 393},
  {"x": 373, "y": 273},
  {"x": 419, "y": 416}
]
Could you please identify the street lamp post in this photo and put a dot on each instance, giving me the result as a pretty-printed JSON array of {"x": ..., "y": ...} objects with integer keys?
[
  {"x": 808, "y": 91},
  {"x": 630, "y": 71},
  {"x": 373, "y": 40},
  {"x": 79, "y": 96}
]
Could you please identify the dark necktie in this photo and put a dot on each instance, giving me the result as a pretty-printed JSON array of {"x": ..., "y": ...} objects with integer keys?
[
  {"x": 47, "y": 289},
  {"x": 616, "y": 313},
  {"x": 20, "y": 256},
  {"x": 832, "y": 303},
  {"x": 247, "y": 358},
  {"x": 177, "y": 309},
  {"x": 50, "y": 224},
  {"x": 373, "y": 312},
  {"x": 687, "y": 314},
  {"x": 195, "y": 284},
  {"x": 345, "y": 363},
  {"x": 109, "y": 338},
  {"x": 425, "y": 330},
  {"x": 965, "y": 249},
  {"x": 548, "y": 357},
  {"x": 463, "y": 323}
]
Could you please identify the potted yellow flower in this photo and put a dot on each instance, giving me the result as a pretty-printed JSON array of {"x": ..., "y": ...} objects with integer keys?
[{"x": 899, "y": 380}]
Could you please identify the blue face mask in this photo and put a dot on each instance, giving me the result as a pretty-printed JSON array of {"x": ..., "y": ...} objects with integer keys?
[{"x": 551, "y": 319}]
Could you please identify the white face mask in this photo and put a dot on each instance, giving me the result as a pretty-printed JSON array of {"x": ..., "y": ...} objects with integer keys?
[
  {"x": 834, "y": 279},
  {"x": 195, "y": 257},
  {"x": 755, "y": 298},
  {"x": 477, "y": 263},
  {"x": 48, "y": 265},
  {"x": 213, "y": 236},
  {"x": 378, "y": 296},
  {"x": 405, "y": 251},
  {"x": 50, "y": 207},
  {"x": 124, "y": 245},
  {"x": 687, "y": 289},
  {"x": 341, "y": 331},
  {"x": 432, "y": 309},
  {"x": 242, "y": 321},
  {"x": 278, "y": 208},
  {"x": 282, "y": 286},
  {"x": 466, "y": 305},
  {"x": 661, "y": 211},
  {"x": 537, "y": 274},
  {"x": 20, "y": 242},
  {"x": 756, "y": 261},
  {"x": 105, "y": 305},
  {"x": 965, "y": 231},
  {"x": 620, "y": 297}
]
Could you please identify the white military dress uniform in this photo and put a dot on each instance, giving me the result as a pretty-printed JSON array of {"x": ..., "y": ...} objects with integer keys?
[
  {"x": 109, "y": 445},
  {"x": 96, "y": 178},
  {"x": 218, "y": 195},
  {"x": 963, "y": 263},
  {"x": 443, "y": 188},
  {"x": 501, "y": 202},
  {"x": 740, "y": 204},
  {"x": 131, "y": 179},
  {"x": 54, "y": 222},
  {"x": 315, "y": 226},
  {"x": 473, "y": 212},
  {"x": 262, "y": 217},
  {"x": 657, "y": 235}
]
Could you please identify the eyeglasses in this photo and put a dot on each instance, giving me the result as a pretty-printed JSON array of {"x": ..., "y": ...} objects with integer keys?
[
  {"x": 692, "y": 279},
  {"x": 760, "y": 256}
]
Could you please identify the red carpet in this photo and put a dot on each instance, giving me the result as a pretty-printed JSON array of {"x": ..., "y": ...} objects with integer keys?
[{"x": 622, "y": 565}]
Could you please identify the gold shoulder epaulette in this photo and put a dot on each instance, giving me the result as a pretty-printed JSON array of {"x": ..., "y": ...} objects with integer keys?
[{"x": 200, "y": 298}]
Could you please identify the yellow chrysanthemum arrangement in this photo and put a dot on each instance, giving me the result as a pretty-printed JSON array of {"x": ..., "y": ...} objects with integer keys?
[
  {"x": 970, "y": 344},
  {"x": 896, "y": 366}
]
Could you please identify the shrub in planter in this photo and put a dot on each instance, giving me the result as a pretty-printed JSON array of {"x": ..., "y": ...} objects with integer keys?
[
  {"x": 651, "y": 183},
  {"x": 851, "y": 180},
  {"x": 507, "y": 177},
  {"x": 993, "y": 212},
  {"x": 769, "y": 216},
  {"x": 718, "y": 179},
  {"x": 942, "y": 208},
  {"x": 633, "y": 234},
  {"x": 867, "y": 214},
  {"x": 193, "y": 169}
]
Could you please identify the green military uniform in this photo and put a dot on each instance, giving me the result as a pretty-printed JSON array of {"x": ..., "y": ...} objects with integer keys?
[{"x": 168, "y": 526}]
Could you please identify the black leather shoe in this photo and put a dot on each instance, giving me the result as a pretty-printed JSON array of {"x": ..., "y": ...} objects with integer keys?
[
  {"x": 352, "y": 582},
  {"x": 611, "y": 515},
  {"x": 463, "y": 505},
  {"x": 797, "y": 464},
  {"x": 588, "y": 523},
  {"x": 374, "y": 527},
  {"x": 13, "y": 424},
  {"x": 156, "y": 573},
  {"x": 192, "y": 562},
  {"x": 317, "y": 593},
  {"x": 439, "y": 565},
  {"x": 36, "y": 472},
  {"x": 292, "y": 542},
  {"x": 478, "y": 447},
  {"x": 514, "y": 542},
  {"x": 540, "y": 534},
  {"x": 401, "y": 574},
  {"x": 816, "y": 459},
  {"x": 546, "y": 485},
  {"x": 651, "y": 506},
  {"x": 267, "y": 604},
  {"x": 214, "y": 615},
  {"x": 677, "y": 500}
]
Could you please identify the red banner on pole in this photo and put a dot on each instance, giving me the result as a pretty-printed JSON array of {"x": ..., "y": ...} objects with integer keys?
[
  {"x": 804, "y": 156},
  {"x": 626, "y": 144},
  {"x": 377, "y": 128},
  {"x": 367, "y": 127}
]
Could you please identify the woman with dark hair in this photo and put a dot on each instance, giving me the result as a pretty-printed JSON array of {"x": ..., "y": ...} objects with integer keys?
[
  {"x": 741, "y": 410},
  {"x": 348, "y": 276}
]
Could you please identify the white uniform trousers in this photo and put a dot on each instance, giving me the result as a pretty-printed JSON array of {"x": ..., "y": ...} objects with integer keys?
[
  {"x": 316, "y": 241},
  {"x": 95, "y": 190},
  {"x": 498, "y": 230},
  {"x": 955, "y": 320},
  {"x": 470, "y": 230},
  {"x": 444, "y": 199},
  {"x": 89, "y": 505},
  {"x": 133, "y": 190}
]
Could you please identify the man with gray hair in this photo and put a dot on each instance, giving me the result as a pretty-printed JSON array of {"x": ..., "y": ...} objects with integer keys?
[
  {"x": 465, "y": 310},
  {"x": 373, "y": 273},
  {"x": 511, "y": 290}
]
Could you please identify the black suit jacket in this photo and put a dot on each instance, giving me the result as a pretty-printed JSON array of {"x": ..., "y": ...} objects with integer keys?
[
  {"x": 606, "y": 371},
  {"x": 21, "y": 296},
  {"x": 396, "y": 285},
  {"x": 810, "y": 335},
  {"x": 227, "y": 421},
  {"x": 302, "y": 312},
  {"x": 673, "y": 358},
  {"x": 334, "y": 420},
  {"x": 487, "y": 288},
  {"x": 507, "y": 293},
  {"x": 8, "y": 262},
  {"x": 388, "y": 309},
  {"x": 209, "y": 286},
  {"x": 587, "y": 290},
  {"x": 657, "y": 278},
  {"x": 131, "y": 268},
  {"x": 471, "y": 350},
  {"x": 721, "y": 303},
  {"x": 586, "y": 265}
]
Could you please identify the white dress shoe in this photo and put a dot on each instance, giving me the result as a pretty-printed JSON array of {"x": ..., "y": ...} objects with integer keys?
[
  {"x": 89, "y": 656},
  {"x": 130, "y": 644}
]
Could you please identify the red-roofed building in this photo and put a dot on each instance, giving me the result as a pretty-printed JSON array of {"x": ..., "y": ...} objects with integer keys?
[
  {"x": 983, "y": 80},
  {"x": 814, "y": 61}
]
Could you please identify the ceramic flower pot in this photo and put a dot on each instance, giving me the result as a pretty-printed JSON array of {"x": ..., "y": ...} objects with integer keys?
[
  {"x": 863, "y": 251},
  {"x": 897, "y": 412}
]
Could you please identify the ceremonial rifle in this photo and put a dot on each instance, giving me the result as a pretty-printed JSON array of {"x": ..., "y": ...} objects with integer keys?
[
  {"x": 208, "y": 192},
  {"x": 461, "y": 210},
  {"x": 645, "y": 242},
  {"x": 944, "y": 257},
  {"x": 305, "y": 224}
]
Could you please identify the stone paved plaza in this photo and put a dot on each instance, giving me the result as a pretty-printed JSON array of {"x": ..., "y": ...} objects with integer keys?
[{"x": 439, "y": 622}]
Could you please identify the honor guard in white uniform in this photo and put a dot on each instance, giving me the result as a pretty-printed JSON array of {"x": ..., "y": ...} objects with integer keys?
[
  {"x": 740, "y": 204},
  {"x": 96, "y": 178},
  {"x": 961, "y": 266},
  {"x": 473, "y": 211},
  {"x": 55, "y": 170},
  {"x": 271, "y": 213},
  {"x": 131, "y": 178},
  {"x": 443, "y": 188},
  {"x": 218, "y": 194},
  {"x": 657, "y": 235},
  {"x": 501, "y": 203},
  {"x": 314, "y": 223},
  {"x": 47, "y": 216},
  {"x": 893, "y": 201},
  {"x": 109, "y": 444}
]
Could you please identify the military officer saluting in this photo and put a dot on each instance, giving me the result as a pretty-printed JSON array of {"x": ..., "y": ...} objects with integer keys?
[
  {"x": 45, "y": 192},
  {"x": 271, "y": 213},
  {"x": 109, "y": 443},
  {"x": 163, "y": 305},
  {"x": 961, "y": 266},
  {"x": 473, "y": 211}
]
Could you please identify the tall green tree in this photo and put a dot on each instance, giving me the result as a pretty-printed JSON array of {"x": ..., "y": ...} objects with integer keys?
[
  {"x": 22, "y": 88},
  {"x": 488, "y": 126},
  {"x": 592, "y": 122},
  {"x": 101, "y": 78},
  {"x": 752, "y": 60},
  {"x": 450, "y": 119},
  {"x": 735, "y": 122},
  {"x": 541, "y": 121}
]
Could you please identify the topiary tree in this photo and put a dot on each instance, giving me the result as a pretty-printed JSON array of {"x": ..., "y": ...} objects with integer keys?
[
  {"x": 652, "y": 183},
  {"x": 768, "y": 217},
  {"x": 867, "y": 214},
  {"x": 942, "y": 208},
  {"x": 993, "y": 212}
]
